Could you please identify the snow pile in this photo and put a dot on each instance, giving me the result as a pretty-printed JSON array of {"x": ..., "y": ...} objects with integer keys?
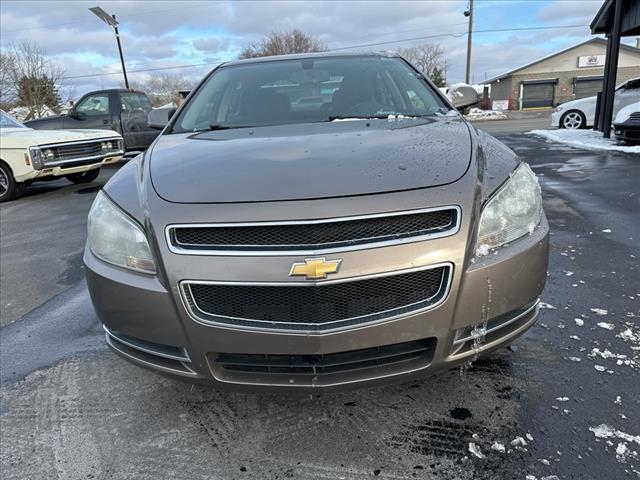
[
  {"x": 479, "y": 114},
  {"x": 587, "y": 139},
  {"x": 21, "y": 113}
]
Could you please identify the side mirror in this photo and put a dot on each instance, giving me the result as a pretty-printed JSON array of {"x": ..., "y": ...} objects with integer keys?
[
  {"x": 159, "y": 117},
  {"x": 77, "y": 115}
]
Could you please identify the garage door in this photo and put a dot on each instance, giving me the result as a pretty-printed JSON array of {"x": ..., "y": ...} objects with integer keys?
[
  {"x": 538, "y": 94},
  {"x": 587, "y": 87}
]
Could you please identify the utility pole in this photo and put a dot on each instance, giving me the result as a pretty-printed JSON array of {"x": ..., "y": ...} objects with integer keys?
[
  {"x": 124, "y": 69},
  {"x": 469, "y": 13},
  {"x": 113, "y": 23}
]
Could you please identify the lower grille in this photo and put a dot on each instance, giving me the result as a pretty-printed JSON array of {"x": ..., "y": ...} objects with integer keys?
[
  {"x": 317, "y": 306},
  {"x": 333, "y": 363}
]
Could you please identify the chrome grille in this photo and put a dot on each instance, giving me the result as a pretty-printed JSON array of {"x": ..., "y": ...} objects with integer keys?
[
  {"x": 314, "y": 235},
  {"x": 317, "y": 306},
  {"x": 77, "y": 150}
]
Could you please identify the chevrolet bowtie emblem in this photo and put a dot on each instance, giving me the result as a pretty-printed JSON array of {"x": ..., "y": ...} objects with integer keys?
[{"x": 314, "y": 268}]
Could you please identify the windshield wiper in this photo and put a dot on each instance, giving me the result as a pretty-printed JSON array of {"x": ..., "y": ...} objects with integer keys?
[
  {"x": 356, "y": 117},
  {"x": 220, "y": 127}
]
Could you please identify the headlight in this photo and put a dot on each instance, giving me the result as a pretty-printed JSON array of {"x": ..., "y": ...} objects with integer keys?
[
  {"x": 37, "y": 158},
  {"x": 559, "y": 108},
  {"x": 111, "y": 146},
  {"x": 117, "y": 239},
  {"x": 514, "y": 211}
]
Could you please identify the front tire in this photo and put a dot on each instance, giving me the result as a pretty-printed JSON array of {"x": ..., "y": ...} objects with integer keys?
[
  {"x": 9, "y": 188},
  {"x": 573, "y": 119},
  {"x": 84, "y": 177}
]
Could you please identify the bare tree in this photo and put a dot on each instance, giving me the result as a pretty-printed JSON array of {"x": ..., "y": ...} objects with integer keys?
[
  {"x": 429, "y": 59},
  {"x": 163, "y": 89},
  {"x": 7, "y": 87},
  {"x": 33, "y": 81},
  {"x": 283, "y": 43}
]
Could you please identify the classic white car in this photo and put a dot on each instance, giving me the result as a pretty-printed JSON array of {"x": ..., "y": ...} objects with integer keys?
[
  {"x": 580, "y": 113},
  {"x": 28, "y": 155}
]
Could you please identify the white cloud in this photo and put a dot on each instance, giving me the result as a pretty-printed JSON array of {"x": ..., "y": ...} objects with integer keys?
[{"x": 161, "y": 34}]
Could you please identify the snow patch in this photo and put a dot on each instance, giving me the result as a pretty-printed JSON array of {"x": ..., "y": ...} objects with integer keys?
[
  {"x": 475, "y": 450},
  {"x": 629, "y": 336},
  {"x": 587, "y": 139},
  {"x": 579, "y": 322},
  {"x": 479, "y": 114},
  {"x": 605, "y": 431},
  {"x": 606, "y": 326},
  {"x": 547, "y": 306},
  {"x": 600, "y": 311},
  {"x": 498, "y": 447},
  {"x": 519, "y": 442}
]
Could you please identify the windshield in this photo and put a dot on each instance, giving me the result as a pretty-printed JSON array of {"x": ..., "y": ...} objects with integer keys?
[
  {"x": 308, "y": 90},
  {"x": 7, "y": 121}
]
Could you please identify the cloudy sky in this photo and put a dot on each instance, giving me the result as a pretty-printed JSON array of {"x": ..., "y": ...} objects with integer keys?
[{"x": 190, "y": 37}]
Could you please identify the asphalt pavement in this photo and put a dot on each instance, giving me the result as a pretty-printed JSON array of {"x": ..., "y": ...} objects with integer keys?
[{"x": 562, "y": 403}]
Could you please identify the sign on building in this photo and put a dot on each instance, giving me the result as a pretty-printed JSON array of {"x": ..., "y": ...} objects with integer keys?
[{"x": 586, "y": 61}]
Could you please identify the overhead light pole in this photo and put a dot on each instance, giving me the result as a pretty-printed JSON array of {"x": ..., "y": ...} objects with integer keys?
[
  {"x": 469, "y": 13},
  {"x": 113, "y": 23}
]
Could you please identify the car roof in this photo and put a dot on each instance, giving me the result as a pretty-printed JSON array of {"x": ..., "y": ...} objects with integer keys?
[{"x": 315, "y": 55}]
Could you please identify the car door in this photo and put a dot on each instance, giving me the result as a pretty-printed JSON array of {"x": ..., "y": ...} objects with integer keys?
[
  {"x": 134, "y": 112},
  {"x": 92, "y": 111},
  {"x": 626, "y": 95}
]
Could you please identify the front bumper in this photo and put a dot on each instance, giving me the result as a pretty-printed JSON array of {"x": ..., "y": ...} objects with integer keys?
[
  {"x": 628, "y": 131},
  {"x": 492, "y": 300},
  {"x": 76, "y": 166},
  {"x": 555, "y": 118}
]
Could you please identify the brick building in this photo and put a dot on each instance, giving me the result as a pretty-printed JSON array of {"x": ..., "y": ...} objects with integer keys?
[{"x": 575, "y": 72}]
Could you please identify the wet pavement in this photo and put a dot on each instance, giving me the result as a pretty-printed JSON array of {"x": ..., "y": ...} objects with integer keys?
[{"x": 562, "y": 403}]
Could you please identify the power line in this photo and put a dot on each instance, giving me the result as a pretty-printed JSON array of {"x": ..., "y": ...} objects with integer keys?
[
  {"x": 439, "y": 35},
  {"x": 421, "y": 29},
  {"x": 104, "y": 74}
]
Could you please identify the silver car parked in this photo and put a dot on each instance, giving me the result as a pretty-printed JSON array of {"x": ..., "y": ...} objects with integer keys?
[
  {"x": 265, "y": 241},
  {"x": 581, "y": 113}
]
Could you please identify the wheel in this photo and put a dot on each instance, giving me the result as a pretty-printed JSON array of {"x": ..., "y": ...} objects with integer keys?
[
  {"x": 573, "y": 119},
  {"x": 9, "y": 188},
  {"x": 84, "y": 177}
]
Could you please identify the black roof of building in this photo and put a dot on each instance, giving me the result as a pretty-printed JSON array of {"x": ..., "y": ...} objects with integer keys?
[{"x": 603, "y": 21}]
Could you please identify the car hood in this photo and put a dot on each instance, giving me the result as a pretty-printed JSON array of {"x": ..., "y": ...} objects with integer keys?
[
  {"x": 27, "y": 137},
  {"x": 310, "y": 161},
  {"x": 577, "y": 103},
  {"x": 624, "y": 113}
]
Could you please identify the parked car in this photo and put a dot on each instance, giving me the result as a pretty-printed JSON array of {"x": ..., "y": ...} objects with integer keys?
[
  {"x": 28, "y": 155},
  {"x": 626, "y": 125},
  {"x": 124, "y": 111},
  {"x": 377, "y": 236},
  {"x": 581, "y": 113}
]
